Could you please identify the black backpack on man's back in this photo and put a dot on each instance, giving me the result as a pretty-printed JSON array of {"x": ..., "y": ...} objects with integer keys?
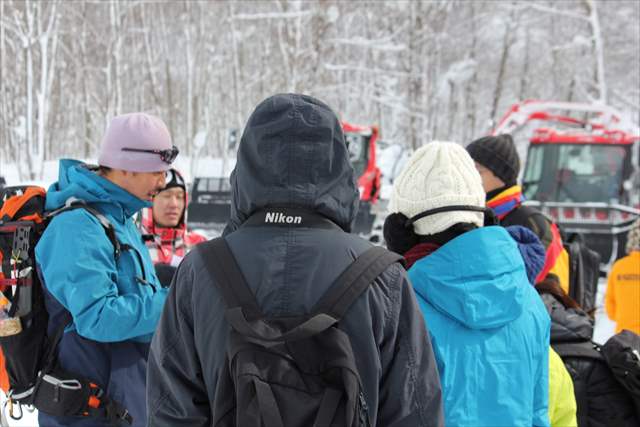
[
  {"x": 606, "y": 380},
  {"x": 290, "y": 371},
  {"x": 622, "y": 353},
  {"x": 584, "y": 272}
]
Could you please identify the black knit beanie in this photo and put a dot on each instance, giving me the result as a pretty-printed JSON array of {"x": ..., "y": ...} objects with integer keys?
[
  {"x": 499, "y": 155},
  {"x": 174, "y": 179}
]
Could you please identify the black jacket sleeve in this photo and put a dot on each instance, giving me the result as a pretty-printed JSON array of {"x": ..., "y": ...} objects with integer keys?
[
  {"x": 410, "y": 391},
  {"x": 176, "y": 393},
  {"x": 540, "y": 225}
]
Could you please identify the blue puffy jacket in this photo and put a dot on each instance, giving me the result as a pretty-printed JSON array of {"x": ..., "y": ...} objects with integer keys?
[
  {"x": 489, "y": 330},
  {"x": 114, "y": 312}
]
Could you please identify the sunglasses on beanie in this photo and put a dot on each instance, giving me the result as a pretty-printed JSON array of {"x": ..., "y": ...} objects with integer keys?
[{"x": 167, "y": 156}]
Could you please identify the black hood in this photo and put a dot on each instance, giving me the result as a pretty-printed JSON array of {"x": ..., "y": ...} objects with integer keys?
[
  {"x": 293, "y": 154},
  {"x": 567, "y": 324}
]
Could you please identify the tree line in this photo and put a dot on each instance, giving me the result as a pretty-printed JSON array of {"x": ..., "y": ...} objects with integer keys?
[{"x": 421, "y": 70}]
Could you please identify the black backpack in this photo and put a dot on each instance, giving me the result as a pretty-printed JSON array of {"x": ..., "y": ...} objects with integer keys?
[
  {"x": 600, "y": 398},
  {"x": 290, "y": 371},
  {"x": 584, "y": 272},
  {"x": 622, "y": 353},
  {"x": 30, "y": 353}
]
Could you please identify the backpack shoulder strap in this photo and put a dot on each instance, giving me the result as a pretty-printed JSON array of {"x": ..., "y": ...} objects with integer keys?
[
  {"x": 353, "y": 281},
  {"x": 73, "y": 204},
  {"x": 222, "y": 266},
  {"x": 241, "y": 305},
  {"x": 582, "y": 349}
]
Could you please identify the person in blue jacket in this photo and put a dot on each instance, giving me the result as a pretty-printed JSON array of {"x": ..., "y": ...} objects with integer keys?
[
  {"x": 114, "y": 304},
  {"x": 488, "y": 327}
]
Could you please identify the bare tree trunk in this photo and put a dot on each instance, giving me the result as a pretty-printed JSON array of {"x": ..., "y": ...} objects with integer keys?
[
  {"x": 168, "y": 77},
  {"x": 4, "y": 116},
  {"x": 598, "y": 47},
  {"x": 87, "y": 135},
  {"x": 413, "y": 84},
  {"x": 297, "y": 51},
  {"x": 189, "y": 63},
  {"x": 435, "y": 74},
  {"x": 283, "y": 43},
  {"x": 555, "y": 71},
  {"x": 27, "y": 43},
  {"x": 507, "y": 42},
  {"x": 151, "y": 73},
  {"x": 470, "y": 93},
  {"x": 114, "y": 83},
  {"x": 524, "y": 80},
  {"x": 452, "y": 107},
  {"x": 571, "y": 91},
  {"x": 236, "y": 73},
  {"x": 46, "y": 73}
]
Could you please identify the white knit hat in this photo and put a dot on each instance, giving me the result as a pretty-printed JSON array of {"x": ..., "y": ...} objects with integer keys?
[{"x": 438, "y": 174}]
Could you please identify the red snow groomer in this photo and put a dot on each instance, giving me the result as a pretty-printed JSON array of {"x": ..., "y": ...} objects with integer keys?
[
  {"x": 361, "y": 143},
  {"x": 581, "y": 168}
]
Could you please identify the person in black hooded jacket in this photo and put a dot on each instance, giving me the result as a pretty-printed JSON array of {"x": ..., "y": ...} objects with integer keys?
[
  {"x": 601, "y": 400},
  {"x": 293, "y": 154}
]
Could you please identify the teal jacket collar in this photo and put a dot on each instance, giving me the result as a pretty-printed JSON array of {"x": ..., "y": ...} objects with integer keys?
[{"x": 75, "y": 179}]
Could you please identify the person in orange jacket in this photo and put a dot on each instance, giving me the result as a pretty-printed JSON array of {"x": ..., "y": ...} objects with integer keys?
[{"x": 623, "y": 290}]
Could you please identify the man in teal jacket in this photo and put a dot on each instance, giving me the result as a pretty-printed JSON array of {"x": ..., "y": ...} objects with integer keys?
[{"x": 114, "y": 303}]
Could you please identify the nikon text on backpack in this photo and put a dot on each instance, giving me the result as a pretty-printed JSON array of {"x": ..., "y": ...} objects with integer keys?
[
  {"x": 30, "y": 355},
  {"x": 290, "y": 371}
]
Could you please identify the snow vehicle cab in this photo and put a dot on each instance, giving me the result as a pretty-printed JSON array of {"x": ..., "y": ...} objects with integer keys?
[
  {"x": 210, "y": 205},
  {"x": 580, "y": 169},
  {"x": 361, "y": 142}
]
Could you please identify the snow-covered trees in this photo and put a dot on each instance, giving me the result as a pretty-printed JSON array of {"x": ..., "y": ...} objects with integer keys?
[
  {"x": 421, "y": 70},
  {"x": 30, "y": 34}
]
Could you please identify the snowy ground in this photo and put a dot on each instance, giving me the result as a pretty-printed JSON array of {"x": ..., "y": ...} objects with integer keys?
[
  {"x": 605, "y": 327},
  {"x": 29, "y": 419}
]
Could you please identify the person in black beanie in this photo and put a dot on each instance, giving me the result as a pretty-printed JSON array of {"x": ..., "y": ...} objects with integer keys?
[
  {"x": 498, "y": 155},
  {"x": 498, "y": 163},
  {"x": 164, "y": 227}
]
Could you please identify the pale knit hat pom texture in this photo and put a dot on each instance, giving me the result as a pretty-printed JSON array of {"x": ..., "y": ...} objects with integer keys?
[{"x": 438, "y": 174}]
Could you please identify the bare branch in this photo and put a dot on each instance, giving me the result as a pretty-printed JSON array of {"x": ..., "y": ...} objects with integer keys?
[
  {"x": 279, "y": 15},
  {"x": 334, "y": 67},
  {"x": 555, "y": 11}
]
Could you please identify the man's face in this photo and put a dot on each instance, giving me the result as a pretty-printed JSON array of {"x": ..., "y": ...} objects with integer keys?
[
  {"x": 143, "y": 185},
  {"x": 489, "y": 181},
  {"x": 168, "y": 207}
]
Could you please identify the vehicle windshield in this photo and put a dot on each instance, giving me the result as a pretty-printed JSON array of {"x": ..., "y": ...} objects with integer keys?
[
  {"x": 213, "y": 185},
  {"x": 575, "y": 173},
  {"x": 358, "y": 146}
]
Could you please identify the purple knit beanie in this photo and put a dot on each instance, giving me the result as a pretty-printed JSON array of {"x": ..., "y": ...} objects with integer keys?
[{"x": 129, "y": 133}]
